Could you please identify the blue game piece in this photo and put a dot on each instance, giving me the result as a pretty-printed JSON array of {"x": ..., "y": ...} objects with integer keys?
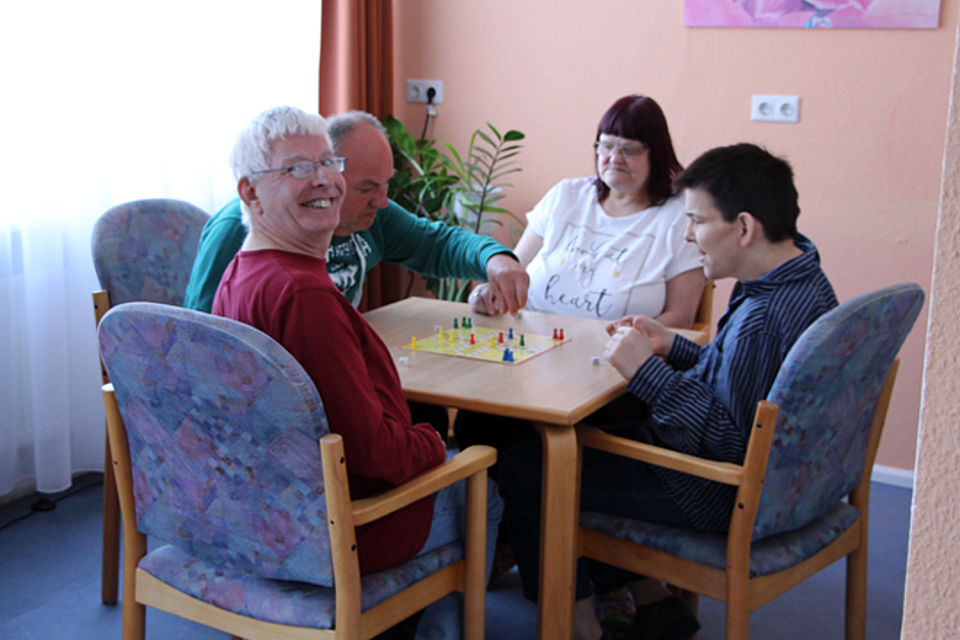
[
  {"x": 510, "y": 333},
  {"x": 507, "y": 355}
]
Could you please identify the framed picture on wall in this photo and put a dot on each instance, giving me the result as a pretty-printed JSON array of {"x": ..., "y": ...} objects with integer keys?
[{"x": 822, "y": 14}]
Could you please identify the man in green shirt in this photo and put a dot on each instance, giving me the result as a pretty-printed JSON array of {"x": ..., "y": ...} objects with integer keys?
[{"x": 372, "y": 228}]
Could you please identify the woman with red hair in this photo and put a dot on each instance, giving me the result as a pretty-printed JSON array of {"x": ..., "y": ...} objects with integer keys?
[{"x": 612, "y": 244}]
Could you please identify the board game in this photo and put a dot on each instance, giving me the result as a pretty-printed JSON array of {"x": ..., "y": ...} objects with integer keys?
[{"x": 507, "y": 346}]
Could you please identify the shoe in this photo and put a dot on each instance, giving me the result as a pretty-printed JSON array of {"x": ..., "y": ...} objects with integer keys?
[
  {"x": 671, "y": 618},
  {"x": 503, "y": 562},
  {"x": 615, "y": 610}
]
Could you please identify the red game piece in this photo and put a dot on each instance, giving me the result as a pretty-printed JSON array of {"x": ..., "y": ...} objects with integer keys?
[
  {"x": 473, "y": 339},
  {"x": 555, "y": 334},
  {"x": 561, "y": 334},
  {"x": 501, "y": 337}
]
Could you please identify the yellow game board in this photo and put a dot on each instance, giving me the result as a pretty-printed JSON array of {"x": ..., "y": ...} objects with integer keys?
[{"x": 487, "y": 344}]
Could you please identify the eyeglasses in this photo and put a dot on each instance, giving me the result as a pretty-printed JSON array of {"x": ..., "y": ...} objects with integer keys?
[
  {"x": 607, "y": 149},
  {"x": 307, "y": 168}
]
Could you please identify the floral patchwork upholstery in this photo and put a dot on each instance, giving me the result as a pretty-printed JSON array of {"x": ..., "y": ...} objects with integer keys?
[
  {"x": 144, "y": 250},
  {"x": 827, "y": 389},
  {"x": 291, "y": 603},
  {"x": 767, "y": 556},
  {"x": 223, "y": 425}
]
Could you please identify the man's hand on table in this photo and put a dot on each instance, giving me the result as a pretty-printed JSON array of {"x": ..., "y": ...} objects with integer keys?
[
  {"x": 633, "y": 340},
  {"x": 660, "y": 337},
  {"x": 505, "y": 290}
]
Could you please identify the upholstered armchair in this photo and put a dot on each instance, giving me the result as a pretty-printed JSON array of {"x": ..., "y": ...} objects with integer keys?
[
  {"x": 214, "y": 431},
  {"x": 804, "y": 485}
]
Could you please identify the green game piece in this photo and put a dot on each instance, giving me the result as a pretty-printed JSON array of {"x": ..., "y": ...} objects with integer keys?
[
  {"x": 454, "y": 323},
  {"x": 521, "y": 341}
]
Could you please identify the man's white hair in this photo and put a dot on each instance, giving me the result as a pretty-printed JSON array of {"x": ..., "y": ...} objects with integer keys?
[{"x": 251, "y": 151}]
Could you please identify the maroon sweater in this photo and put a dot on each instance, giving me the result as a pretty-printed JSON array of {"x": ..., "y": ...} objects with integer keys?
[{"x": 290, "y": 297}]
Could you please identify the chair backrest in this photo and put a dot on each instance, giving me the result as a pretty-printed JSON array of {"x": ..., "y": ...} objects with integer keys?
[
  {"x": 704, "y": 318},
  {"x": 144, "y": 250},
  {"x": 223, "y": 425},
  {"x": 827, "y": 390}
]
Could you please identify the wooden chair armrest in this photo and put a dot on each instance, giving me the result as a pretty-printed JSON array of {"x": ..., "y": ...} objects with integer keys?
[
  {"x": 725, "y": 472},
  {"x": 471, "y": 460},
  {"x": 698, "y": 333}
]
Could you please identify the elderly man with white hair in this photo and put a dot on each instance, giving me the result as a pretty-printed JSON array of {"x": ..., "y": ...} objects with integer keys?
[{"x": 290, "y": 181}]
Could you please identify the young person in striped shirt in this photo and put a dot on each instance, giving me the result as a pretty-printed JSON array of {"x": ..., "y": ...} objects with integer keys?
[{"x": 741, "y": 205}]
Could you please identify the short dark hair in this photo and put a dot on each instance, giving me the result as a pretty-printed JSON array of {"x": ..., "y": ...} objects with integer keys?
[
  {"x": 641, "y": 118},
  {"x": 745, "y": 177}
]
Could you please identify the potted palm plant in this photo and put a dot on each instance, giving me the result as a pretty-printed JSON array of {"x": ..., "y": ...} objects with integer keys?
[{"x": 459, "y": 189}]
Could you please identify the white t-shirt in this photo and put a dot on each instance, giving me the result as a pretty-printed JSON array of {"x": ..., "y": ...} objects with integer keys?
[{"x": 595, "y": 265}]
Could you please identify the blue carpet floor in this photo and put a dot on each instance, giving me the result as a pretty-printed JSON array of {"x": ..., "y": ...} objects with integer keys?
[{"x": 50, "y": 582}]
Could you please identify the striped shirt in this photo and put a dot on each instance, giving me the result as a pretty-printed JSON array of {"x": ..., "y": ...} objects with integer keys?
[{"x": 704, "y": 400}]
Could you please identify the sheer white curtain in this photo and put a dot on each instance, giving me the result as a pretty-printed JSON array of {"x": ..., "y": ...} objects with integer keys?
[{"x": 109, "y": 101}]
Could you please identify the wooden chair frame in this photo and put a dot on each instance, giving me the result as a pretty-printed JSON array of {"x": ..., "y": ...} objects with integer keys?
[
  {"x": 734, "y": 586},
  {"x": 140, "y": 589},
  {"x": 703, "y": 322},
  {"x": 110, "y": 555}
]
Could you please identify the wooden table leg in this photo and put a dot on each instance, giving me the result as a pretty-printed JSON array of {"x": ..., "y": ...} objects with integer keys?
[
  {"x": 111, "y": 533},
  {"x": 558, "y": 518}
]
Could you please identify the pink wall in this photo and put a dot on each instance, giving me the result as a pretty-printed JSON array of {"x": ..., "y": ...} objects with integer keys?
[{"x": 867, "y": 151}]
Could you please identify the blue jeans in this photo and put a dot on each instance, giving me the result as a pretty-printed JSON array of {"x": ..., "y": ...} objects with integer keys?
[
  {"x": 609, "y": 484},
  {"x": 444, "y": 618}
]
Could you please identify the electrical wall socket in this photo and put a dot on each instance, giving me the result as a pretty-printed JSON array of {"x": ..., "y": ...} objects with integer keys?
[
  {"x": 417, "y": 90},
  {"x": 766, "y": 108}
]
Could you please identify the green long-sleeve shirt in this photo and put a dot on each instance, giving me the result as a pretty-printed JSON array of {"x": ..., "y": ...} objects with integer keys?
[{"x": 433, "y": 249}]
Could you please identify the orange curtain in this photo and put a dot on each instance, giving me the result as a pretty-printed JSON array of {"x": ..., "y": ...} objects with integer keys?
[{"x": 356, "y": 72}]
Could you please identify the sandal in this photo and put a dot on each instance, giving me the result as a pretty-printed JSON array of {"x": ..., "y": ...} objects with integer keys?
[
  {"x": 615, "y": 610},
  {"x": 671, "y": 618}
]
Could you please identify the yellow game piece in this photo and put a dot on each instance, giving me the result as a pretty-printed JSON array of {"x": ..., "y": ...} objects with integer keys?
[
  {"x": 452, "y": 337},
  {"x": 413, "y": 342},
  {"x": 491, "y": 342},
  {"x": 440, "y": 337}
]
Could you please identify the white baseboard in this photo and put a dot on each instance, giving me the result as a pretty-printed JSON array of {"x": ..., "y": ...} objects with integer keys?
[{"x": 892, "y": 476}]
